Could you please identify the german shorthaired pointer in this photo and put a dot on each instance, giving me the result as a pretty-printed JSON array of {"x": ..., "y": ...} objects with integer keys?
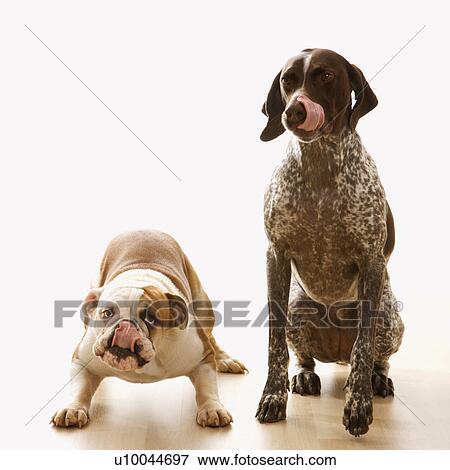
[{"x": 331, "y": 233}]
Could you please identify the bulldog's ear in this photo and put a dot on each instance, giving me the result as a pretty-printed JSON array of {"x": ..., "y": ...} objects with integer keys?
[
  {"x": 165, "y": 310},
  {"x": 273, "y": 108},
  {"x": 90, "y": 303},
  {"x": 179, "y": 313},
  {"x": 364, "y": 96}
]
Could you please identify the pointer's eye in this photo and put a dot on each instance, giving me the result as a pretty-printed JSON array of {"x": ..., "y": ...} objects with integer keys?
[{"x": 327, "y": 77}]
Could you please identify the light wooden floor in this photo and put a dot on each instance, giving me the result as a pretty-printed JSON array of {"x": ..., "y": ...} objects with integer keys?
[{"x": 161, "y": 416}]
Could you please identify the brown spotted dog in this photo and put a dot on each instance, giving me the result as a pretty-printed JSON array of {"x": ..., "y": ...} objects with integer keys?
[
  {"x": 149, "y": 319},
  {"x": 331, "y": 233}
]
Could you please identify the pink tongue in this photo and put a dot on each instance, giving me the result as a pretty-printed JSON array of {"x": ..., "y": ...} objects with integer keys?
[
  {"x": 315, "y": 115},
  {"x": 125, "y": 336}
]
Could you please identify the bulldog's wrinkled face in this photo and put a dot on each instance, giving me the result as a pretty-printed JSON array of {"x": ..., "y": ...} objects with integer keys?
[
  {"x": 311, "y": 96},
  {"x": 129, "y": 324}
]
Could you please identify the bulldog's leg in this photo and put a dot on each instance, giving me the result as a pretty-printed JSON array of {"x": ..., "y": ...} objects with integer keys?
[
  {"x": 224, "y": 362},
  {"x": 358, "y": 406},
  {"x": 272, "y": 406},
  {"x": 205, "y": 317},
  {"x": 83, "y": 385},
  {"x": 210, "y": 412}
]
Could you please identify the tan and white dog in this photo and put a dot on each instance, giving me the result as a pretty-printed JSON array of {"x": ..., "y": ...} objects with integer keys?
[{"x": 148, "y": 320}]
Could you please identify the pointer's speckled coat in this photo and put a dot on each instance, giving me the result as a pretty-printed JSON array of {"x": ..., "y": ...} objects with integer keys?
[{"x": 330, "y": 233}]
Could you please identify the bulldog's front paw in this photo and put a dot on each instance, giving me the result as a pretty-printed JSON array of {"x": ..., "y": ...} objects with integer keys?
[
  {"x": 213, "y": 415},
  {"x": 67, "y": 417},
  {"x": 358, "y": 413},
  {"x": 231, "y": 366},
  {"x": 272, "y": 407}
]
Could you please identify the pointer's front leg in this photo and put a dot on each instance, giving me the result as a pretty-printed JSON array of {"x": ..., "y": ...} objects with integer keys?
[{"x": 272, "y": 406}]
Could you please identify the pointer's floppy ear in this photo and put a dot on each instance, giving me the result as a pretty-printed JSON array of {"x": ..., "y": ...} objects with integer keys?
[
  {"x": 273, "y": 108},
  {"x": 364, "y": 96}
]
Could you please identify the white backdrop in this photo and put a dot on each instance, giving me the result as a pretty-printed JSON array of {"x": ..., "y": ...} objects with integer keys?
[{"x": 189, "y": 79}]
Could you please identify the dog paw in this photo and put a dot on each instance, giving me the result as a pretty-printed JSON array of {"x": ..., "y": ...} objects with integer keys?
[
  {"x": 357, "y": 414},
  {"x": 213, "y": 415},
  {"x": 382, "y": 385},
  {"x": 306, "y": 383},
  {"x": 272, "y": 407},
  {"x": 231, "y": 366},
  {"x": 67, "y": 417}
]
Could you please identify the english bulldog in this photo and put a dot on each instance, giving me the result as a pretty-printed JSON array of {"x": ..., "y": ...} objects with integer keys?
[{"x": 148, "y": 320}]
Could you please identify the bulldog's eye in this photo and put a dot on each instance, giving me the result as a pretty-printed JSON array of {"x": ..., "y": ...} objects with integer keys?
[
  {"x": 327, "y": 77},
  {"x": 147, "y": 315},
  {"x": 149, "y": 318},
  {"x": 108, "y": 313}
]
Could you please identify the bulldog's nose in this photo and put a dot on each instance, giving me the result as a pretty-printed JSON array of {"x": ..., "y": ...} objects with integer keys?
[
  {"x": 296, "y": 113},
  {"x": 126, "y": 335}
]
